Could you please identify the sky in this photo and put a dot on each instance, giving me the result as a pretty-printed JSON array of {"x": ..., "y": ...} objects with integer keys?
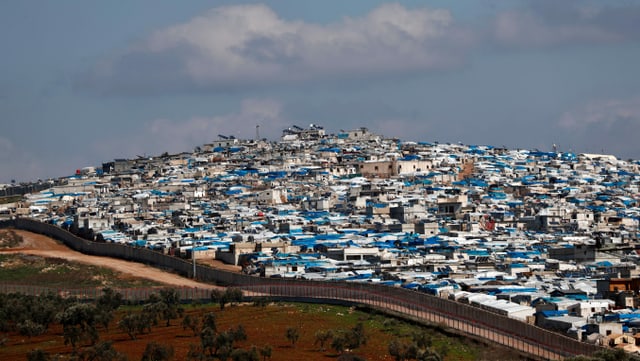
[{"x": 85, "y": 81}]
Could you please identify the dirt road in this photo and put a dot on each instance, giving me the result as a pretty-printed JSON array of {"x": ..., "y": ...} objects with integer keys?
[{"x": 40, "y": 245}]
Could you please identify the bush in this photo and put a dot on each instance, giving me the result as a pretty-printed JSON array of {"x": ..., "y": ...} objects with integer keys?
[
  {"x": 29, "y": 328},
  {"x": 157, "y": 352}
]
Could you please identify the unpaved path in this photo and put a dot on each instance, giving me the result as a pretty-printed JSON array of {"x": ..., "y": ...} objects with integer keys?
[{"x": 37, "y": 244}]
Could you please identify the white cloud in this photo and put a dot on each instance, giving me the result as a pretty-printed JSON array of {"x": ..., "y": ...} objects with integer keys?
[
  {"x": 603, "y": 113},
  {"x": 549, "y": 23},
  {"x": 517, "y": 28},
  {"x": 184, "y": 135},
  {"x": 607, "y": 126},
  {"x": 173, "y": 136},
  {"x": 242, "y": 47},
  {"x": 249, "y": 45}
]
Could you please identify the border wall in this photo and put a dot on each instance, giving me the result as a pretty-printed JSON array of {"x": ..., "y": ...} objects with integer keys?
[{"x": 402, "y": 302}]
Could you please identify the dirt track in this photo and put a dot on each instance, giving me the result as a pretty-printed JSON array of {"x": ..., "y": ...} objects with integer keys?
[{"x": 40, "y": 245}]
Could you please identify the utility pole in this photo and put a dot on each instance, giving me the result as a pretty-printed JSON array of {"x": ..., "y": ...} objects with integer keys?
[{"x": 193, "y": 257}]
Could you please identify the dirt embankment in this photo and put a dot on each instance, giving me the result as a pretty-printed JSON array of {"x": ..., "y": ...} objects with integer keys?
[{"x": 36, "y": 244}]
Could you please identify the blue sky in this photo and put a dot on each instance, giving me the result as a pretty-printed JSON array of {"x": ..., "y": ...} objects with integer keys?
[{"x": 83, "y": 82}]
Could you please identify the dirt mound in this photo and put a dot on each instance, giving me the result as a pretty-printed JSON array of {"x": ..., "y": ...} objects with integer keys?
[
  {"x": 36, "y": 244},
  {"x": 9, "y": 238}
]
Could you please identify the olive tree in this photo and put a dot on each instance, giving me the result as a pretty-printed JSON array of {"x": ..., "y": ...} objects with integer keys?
[
  {"x": 157, "y": 352},
  {"x": 292, "y": 334},
  {"x": 78, "y": 324},
  {"x": 322, "y": 336},
  {"x": 135, "y": 324}
]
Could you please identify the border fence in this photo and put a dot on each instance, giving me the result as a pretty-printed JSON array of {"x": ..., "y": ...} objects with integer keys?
[{"x": 417, "y": 306}]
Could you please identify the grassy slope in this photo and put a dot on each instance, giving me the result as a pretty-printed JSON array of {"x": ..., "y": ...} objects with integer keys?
[
  {"x": 54, "y": 272},
  {"x": 264, "y": 325},
  {"x": 267, "y": 326}
]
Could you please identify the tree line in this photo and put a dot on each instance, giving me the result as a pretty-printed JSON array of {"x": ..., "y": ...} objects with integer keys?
[{"x": 82, "y": 323}]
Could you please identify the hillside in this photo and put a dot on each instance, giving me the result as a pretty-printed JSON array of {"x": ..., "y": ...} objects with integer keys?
[{"x": 264, "y": 325}]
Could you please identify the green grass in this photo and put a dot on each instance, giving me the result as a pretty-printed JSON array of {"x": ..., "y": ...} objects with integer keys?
[
  {"x": 382, "y": 329},
  {"x": 266, "y": 324},
  {"x": 10, "y": 199},
  {"x": 54, "y": 272}
]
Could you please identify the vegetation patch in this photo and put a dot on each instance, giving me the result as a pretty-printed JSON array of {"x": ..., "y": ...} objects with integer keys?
[
  {"x": 53, "y": 327},
  {"x": 166, "y": 328},
  {"x": 9, "y": 238},
  {"x": 31, "y": 270},
  {"x": 10, "y": 199}
]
